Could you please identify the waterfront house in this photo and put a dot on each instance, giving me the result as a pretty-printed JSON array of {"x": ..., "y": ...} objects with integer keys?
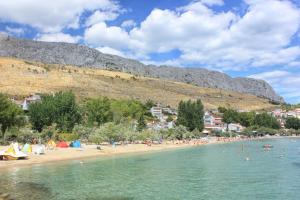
[
  {"x": 233, "y": 127},
  {"x": 213, "y": 122},
  {"x": 212, "y": 119}
]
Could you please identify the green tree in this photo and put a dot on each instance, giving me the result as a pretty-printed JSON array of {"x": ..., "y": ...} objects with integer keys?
[
  {"x": 266, "y": 120},
  {"x": 222, "y": 109},
  {"x": 292, "y": 123},
  {"x": 141, "y": 123},
  {"x": 246, "y": 118},
  {"x": 98, "y": 111},
  {"x": 60, "y": 109},
  {"x": 126, "y": 109},
  {"x": 10, "y": 114},
  {"x": 170, "y": 118},
  {"x": 230, "y": 116},
  {"x": 149, "y": 104},
  {"x": 190, "y": 115}
]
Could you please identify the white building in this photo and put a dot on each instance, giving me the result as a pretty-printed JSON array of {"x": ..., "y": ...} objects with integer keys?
[
  {"x": 297, "y": 111},
  {"x": 291, "y": 114},
  {"x": 160, "y": 125},
  {"x": 157, "y": 112},
  {"x": 235, "y": 127},
  {"x": 27, "y": 101}
]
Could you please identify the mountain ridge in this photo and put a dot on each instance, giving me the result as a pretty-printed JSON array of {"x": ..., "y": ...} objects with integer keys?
[
  {"x": 83, "y": 56},
  {"x": 20, "y": 78}
]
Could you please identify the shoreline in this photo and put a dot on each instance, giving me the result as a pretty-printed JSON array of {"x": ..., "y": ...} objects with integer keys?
[{"x": 89, "y": 152}]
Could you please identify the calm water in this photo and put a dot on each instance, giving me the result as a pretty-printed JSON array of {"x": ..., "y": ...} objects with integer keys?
[{"x": 207, "y": 172}]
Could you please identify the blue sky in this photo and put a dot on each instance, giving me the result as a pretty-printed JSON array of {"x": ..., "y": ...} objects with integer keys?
[{"x": 248, "y": 38}]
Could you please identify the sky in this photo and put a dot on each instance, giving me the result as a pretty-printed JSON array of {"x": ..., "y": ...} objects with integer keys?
[{"x": 243, "y": 38}]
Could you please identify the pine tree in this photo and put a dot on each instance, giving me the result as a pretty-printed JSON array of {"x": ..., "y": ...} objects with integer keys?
[
  {"x": 141, "y": 123},
  {"x": 190, "y": 115}
]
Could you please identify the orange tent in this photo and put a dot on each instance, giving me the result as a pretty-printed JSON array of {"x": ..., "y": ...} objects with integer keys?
[{"x": 62, "y": 144}]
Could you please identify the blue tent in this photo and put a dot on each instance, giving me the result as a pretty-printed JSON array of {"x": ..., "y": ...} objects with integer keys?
[{"x": 75, "y": 144}]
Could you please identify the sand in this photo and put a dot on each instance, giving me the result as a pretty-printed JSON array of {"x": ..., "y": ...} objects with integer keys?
[{"x": 90, "y": 151}]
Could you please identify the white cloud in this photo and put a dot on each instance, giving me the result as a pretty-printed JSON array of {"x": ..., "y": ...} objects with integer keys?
[
  {"x": 209, "y": 38},
  {"x": 221, "y": 40},
  {"x": 15, "y": 31},
  {"x": 286, "y": 83},
  {"x": 128, "y": 24},
  {"x": 270, "y": 75},
  {"x": 58, "y": 37},
  {"x": 101, "y": 16},
  {"x": 51, "y": 16},
  {"x": 294, "y": 64},
  {"x": 216, "y": 39},
  {"x": 109, "y": 50},
  {"x": 186, "y": 31},
  {"x": 282, "y": 56},
  {"x": 213, "y": 2},
  {"x": 102, "y": 35}
]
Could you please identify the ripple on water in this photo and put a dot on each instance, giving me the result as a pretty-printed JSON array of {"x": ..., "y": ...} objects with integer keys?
[{"x": 215, "y": 172}]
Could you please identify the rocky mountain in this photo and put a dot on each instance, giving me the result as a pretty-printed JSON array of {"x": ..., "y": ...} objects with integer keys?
[{"x": 83, "y": 56}]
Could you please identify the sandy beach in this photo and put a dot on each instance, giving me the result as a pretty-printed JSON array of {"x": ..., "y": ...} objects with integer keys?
[{"x": 90, "y": 151}]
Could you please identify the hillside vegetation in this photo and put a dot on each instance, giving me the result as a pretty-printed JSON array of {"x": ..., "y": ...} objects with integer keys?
[{"x": 21, "y": 78}]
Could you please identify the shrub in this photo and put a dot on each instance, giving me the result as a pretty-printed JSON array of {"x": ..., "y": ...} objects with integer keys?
[
  {"x": 266, "y": 131},
  {"x": 179, "y": 132},
  {"x": 49, "y": 132},
  {"x": 11, "y": 134},
  {"x": 259, "y": 131},
  {"x": 149, "y": 135},
  {"x": 97, "y": 136},
  {"x": 293, "y": 123},
  {"x": 68, "y": 137},
  {"x": 26, "y": 135},
  {"x": 217, "y": 133},
  {"x": 196, "y": 133},
  {"x": 83, "y": 132},
  {"x": 292, "y": 132}
]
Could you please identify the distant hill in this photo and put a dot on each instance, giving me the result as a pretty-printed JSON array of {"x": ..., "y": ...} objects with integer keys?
[
  {"x": 22, "y": 78},
  {"x": 83, "y": 56}
]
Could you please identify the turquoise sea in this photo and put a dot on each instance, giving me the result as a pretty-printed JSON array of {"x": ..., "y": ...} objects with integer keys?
[{"x": 213, "y": 172}]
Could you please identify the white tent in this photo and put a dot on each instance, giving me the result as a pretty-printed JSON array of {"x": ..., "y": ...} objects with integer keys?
[{"x": 39, "y": 149}]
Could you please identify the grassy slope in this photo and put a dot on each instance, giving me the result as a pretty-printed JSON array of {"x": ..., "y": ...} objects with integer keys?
[{"x": 22, "y": 78}]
